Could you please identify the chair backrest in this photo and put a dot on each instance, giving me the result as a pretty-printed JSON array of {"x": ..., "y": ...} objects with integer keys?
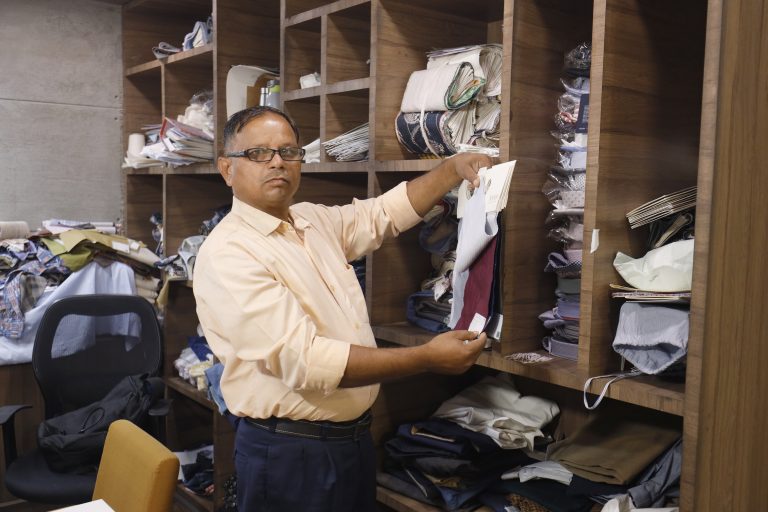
[
  {"x": 86, "y": 343},
  {"x": 137, "y": 473}
]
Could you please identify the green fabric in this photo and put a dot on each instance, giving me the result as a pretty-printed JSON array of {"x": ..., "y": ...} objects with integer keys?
[{"x": 75, "y": 259}]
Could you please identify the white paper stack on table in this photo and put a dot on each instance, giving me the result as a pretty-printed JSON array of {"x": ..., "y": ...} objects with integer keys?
[
  {"x": 57, "y": 226},
  {"x": 496, "y": 180},
  {"x": 350, "y": 146},
  {"x": 662, "y": 206},
  {"x": 181, "y": 144}
]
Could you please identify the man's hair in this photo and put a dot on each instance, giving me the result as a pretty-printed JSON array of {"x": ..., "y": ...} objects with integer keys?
[{"x": 238, "y": 120}]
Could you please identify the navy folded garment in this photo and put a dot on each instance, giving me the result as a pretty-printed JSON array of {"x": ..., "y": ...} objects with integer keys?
[
  {"x": 449, "y": 436},
  {"x": 418, "y": 305},
  {"x": 503, "y": 460}
]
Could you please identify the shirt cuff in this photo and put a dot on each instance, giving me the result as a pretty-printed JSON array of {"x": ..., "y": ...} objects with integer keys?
[
  {"x": 399, "y": 207},
  {"x": 328, "y": 364}
]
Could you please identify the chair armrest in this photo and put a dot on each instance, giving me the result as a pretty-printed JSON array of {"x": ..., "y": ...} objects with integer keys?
[{"x": 7, "y": 414}]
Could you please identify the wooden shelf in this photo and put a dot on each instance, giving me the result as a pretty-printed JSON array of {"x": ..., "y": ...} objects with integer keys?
[
  {"x": 157, "y": 170},
  {"x": 153, "y": 65},
  {"x": 358, "y": 84},
  {"x": 300, "y": 94},
  {"x": 198, "y": 168},
  {"x": 401, "y": 503},
  {"x": 186, "y": 389},
  {"x": 192, "y": 501},
  {"x": 326, "y": 167},
  {"x": 185, "y": 56},
  {"x": 646, "y": 391},
  {"x": 339, "y": 5}
]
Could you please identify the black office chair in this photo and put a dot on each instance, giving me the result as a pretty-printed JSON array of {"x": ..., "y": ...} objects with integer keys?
[{"x": 76, "y": 363}]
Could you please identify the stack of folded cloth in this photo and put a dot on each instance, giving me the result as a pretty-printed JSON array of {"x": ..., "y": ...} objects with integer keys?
[
  {"x": 565, "y": 189},
  {"x": 454, "y": 101},
  {"x": 451, "y": 459},
  {"x": 611, "y": 456},
  {"x": 430, "y": 307},
  {"x": 193, "y": 361}
]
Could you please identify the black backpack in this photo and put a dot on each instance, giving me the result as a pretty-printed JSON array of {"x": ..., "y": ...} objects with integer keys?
[{"x": 73, "y": 442}]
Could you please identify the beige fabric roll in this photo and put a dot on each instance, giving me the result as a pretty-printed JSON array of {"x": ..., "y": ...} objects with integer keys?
[{"x": 13, "y": 229}]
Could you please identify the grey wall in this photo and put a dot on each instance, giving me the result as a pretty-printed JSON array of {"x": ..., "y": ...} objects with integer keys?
[{"x": 60, "y": 98}]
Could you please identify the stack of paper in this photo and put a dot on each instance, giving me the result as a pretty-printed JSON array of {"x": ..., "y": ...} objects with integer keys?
[
  {"x": 350, "y": 146},
  {"x": 57, "y": 226},
  {"x": 312, "y": 154},
  {"x": 497, "y": 180},
  {"x": 636, "y": 295},
  {"x": 181, "y": 144},
  {"x": 662, "y": 206}
]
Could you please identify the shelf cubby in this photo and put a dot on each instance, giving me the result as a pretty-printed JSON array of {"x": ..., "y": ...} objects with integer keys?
[
  {"x": 189, "y": 200},
  {"x": 398, "y": 267},
  {"x": 301, "y": 53},
  {"x": 643, "y": 143},
  {"x": 406, "y": 31},
  {"x": 348, "y": 44},
  {"x": 305, "y": 112},
  {"x": 343, "y": 112}
]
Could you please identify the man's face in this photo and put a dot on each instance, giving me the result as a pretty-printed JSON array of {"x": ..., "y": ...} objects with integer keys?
[{"x": 268, "y": 186}]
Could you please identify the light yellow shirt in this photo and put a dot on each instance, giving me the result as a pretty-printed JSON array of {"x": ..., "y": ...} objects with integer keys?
[{"x": 281, "y": 313}]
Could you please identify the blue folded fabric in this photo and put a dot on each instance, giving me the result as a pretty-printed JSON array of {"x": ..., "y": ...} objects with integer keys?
[{"x": 415, "y": 306}]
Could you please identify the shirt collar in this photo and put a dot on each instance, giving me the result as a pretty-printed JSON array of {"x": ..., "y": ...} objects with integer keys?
[{"x": 263, "y": 222}]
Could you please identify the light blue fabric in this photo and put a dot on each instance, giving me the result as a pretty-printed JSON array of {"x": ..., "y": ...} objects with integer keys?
[{"x": 213, "y": 374}]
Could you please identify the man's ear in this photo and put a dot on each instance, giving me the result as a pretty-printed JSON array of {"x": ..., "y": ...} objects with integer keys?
[{"x": 225, "y": 169}]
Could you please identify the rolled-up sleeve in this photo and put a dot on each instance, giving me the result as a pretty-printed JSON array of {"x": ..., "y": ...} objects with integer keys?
[
  {"x": 363, "y": 225},
  {"x": 241, "y": 303}
]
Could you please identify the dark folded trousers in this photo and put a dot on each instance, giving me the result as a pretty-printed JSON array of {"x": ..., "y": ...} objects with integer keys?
[{"x": 281, "y": 472}]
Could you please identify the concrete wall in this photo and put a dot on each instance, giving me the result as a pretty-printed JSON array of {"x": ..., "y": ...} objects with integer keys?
[{"x": 60, "y": 116}]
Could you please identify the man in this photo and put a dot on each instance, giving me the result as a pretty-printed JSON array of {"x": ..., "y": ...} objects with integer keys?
[{"x": 284, "y": 312}]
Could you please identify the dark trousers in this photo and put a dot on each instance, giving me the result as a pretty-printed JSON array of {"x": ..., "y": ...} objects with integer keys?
[{"x": 282, "y": 473}]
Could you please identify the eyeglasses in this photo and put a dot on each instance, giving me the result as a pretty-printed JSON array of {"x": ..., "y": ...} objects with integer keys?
[{"x": 289, "y": 154}]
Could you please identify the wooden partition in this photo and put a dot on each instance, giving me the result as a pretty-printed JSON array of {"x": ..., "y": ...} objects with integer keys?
[
  {"x": 643, "y": 141},
  {"x": 538, "y": 34}
]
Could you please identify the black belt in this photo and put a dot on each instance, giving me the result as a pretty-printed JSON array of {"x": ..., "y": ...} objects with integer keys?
[{"x": 315, "y": 429}]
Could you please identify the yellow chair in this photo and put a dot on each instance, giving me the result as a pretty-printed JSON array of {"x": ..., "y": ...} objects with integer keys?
[{"x": 137, "y": 473}]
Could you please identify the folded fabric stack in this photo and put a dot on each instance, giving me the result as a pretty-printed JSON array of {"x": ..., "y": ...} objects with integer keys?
[
  {"x": 454, "y": 101},
  {"x": 653, "y": 324},
  {"x": 430, "y": 307},
  {"x": 612, "y": 456},
  {"x": 451, "y": 459},
  {"x": 201, "y": 35},
  {"x": 193, "y": 361},
  {"x": 565, "y": 189}
]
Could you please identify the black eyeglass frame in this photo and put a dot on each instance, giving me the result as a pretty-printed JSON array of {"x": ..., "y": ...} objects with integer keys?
[{"x": 245, "y": 154}]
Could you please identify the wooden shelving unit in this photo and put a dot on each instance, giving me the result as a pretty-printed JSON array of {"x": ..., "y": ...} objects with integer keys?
[{"x": 653, "y": 129}]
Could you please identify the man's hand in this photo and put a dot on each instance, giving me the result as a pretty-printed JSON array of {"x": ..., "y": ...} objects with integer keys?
[
  {"x": 453, "y": 352},
  {"x": 426, "y": 190},
  {"x": 467, "y": 165}
]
